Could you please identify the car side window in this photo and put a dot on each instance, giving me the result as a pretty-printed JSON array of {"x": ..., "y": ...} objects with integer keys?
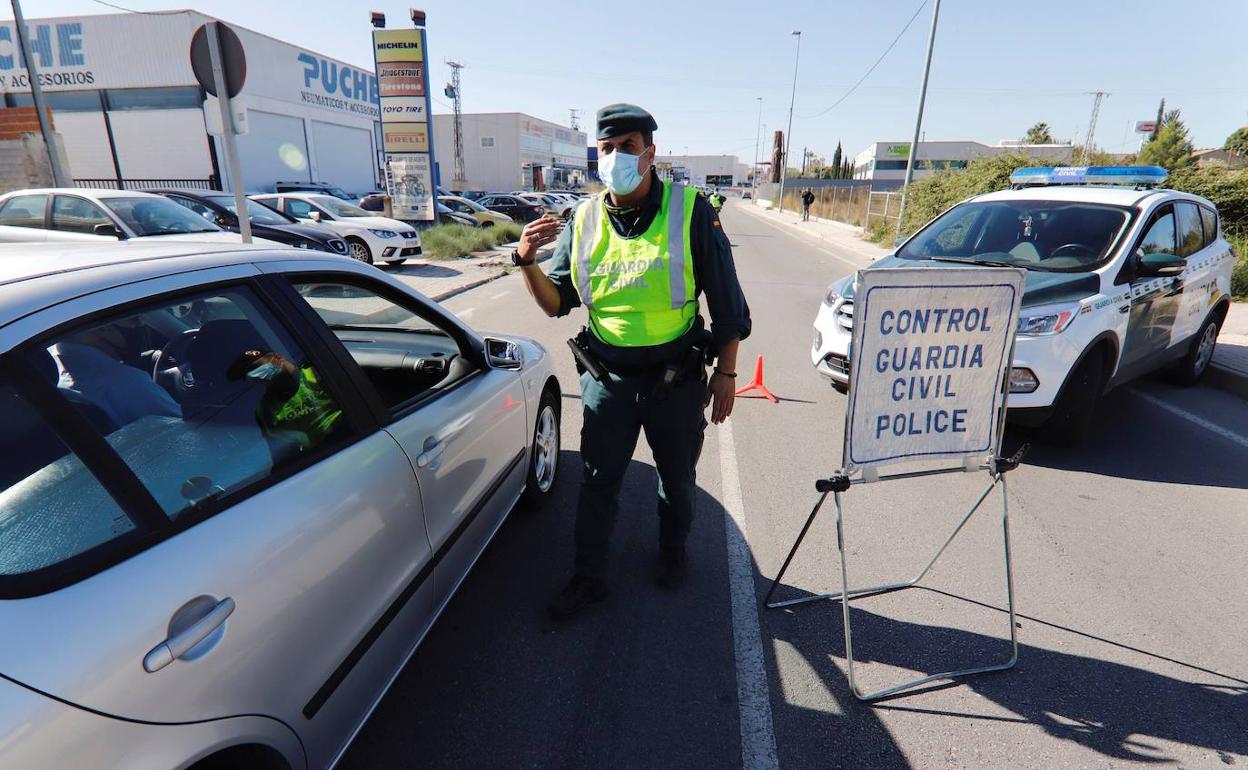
[
  {"x": 1160, "y": 238},
  {"x": 51, "y": 506},
  {"x": 77, "y": 215},
  {"x": 1190, "y": 235},
  {"x": 297, "y": 208},
  {"x": 401, "y": 352},
  {"x": 1209, "y": 219},
  {"x": 201, "y": 396},
  {"x": 24, "y": 211}
]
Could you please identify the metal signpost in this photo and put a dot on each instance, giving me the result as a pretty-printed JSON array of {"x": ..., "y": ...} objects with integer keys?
[
  {"x": 932, "y": 354},
  {"x": 407, "y": 142},
  {"x": 220, "y": 66}
]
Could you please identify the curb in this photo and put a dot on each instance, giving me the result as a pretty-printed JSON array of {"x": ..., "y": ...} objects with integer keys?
[
  {"x": 1231, "y": 380},
  {"x": 440, "y": 297}
]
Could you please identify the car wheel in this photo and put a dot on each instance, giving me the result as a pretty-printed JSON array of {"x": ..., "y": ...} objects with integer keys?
[
  {"x": 487, "y": 223},
  {"x": 544, "y": 459},
  {"x": 1072, "y": 414},
  {"x": 359, "y": 251},
  {"x": 1193, "y": 366}
]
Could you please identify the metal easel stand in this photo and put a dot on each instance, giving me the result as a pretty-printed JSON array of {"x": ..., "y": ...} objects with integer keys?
[{"x": 841, "y": 483}]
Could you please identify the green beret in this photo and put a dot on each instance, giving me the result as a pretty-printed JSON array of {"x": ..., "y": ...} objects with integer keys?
[{"x": 618, "y": 119}]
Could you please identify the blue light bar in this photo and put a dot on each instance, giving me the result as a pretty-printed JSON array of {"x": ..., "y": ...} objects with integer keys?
[{"x": 1124, "y": 176}]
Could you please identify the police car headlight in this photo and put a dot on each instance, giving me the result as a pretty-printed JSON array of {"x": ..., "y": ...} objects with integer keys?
[
  {"x": 383, "y": 233},
  {"x": 1052, "y": 320},
  {"x": 835, "y": 291},
  {"x": 1023, "y": 380}
]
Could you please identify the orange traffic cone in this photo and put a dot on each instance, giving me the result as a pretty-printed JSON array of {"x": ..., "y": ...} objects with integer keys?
[{"x": 757, "y": 384}]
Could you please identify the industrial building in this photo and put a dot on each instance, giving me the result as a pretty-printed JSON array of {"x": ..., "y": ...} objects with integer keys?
[
  {"x": 704, "y": 170},
  {"x": 884, "y": 163},
  {"x": 129, "y": 109},
  {"x": 505, "y": 151}
]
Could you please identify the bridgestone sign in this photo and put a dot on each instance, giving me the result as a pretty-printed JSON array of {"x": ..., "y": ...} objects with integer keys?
[{"x": 930, "y": 351}]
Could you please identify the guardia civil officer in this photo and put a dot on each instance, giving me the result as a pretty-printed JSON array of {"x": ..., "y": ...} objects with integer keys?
[{"x": 638, "y": 257}]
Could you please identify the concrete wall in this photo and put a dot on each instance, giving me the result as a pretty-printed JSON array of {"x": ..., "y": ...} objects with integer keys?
[{"x": 23, "y": 157}]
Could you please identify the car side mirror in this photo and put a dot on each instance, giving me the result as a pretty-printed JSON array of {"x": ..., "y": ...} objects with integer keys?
[
  {"x": 225, "y": 220},
  {"x": 315, "y": 216},
  {"x": 107, "y": 228},
  {"x": 1159, "y": 265},
  {"x": 504, "y": 354}
]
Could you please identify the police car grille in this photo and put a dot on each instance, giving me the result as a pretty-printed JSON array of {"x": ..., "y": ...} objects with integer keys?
[
  {"x": 837, "y": 363},
  {"x": 845, "y": 315}
]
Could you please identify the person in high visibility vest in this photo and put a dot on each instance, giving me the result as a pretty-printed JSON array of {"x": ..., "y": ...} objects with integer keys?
[
  {"x": 716, "y": 200},
  {"x": 638, "y": 257}
]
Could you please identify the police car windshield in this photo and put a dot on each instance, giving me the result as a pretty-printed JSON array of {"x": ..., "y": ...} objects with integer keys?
[
  {"x": 158, "y": 216},
  {"x": 339, "y": 208},
  {"x": 1056, "y": 236}
]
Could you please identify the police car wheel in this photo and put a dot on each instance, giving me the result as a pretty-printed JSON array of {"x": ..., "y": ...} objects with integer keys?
[
  {"x": 1192, "y": 367},
  {"x": 1072, "y": 414},
  {"x": 544, "y": 457},
  {"x": 359, "y": 251}
]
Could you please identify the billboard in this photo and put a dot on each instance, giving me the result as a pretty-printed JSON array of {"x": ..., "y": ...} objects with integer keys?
[{"x": 403, "y": 88}]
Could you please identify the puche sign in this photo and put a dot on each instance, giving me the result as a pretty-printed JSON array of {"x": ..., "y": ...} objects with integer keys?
[{"x": 931, "y": 347}]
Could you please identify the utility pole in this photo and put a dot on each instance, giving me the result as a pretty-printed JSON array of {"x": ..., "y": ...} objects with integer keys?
[
  {"x": 59, "y": 177},
  {"x": 918, "y": 121},
  {"x": 574, "y": 117},
  {"x": 757, "y": 135},
  {"x": 1097, "y": 96},
  {"x": 460, "y": 176},
  {"x": 788, "y": 135}
]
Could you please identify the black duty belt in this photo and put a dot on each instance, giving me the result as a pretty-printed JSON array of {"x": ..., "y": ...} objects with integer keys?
[{"x": 687, "y": 363}]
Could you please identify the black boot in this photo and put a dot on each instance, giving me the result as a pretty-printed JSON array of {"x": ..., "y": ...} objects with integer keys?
[
  {"x": 673, "y": 567},
  {"x": 579, "y": 593}
]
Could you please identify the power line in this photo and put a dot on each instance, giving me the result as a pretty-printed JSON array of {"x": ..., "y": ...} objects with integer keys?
[
  {"x": 873, "y": 66},
  {"x": 131, "y": 10}
]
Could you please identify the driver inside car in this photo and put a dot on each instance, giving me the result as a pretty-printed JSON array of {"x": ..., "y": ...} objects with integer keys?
[{"x": 295, "y": 406}]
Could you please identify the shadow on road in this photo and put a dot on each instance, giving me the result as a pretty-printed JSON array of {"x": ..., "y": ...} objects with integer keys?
[
  {"x": 424, "y": 270},
  {"x": 648, "y": 679}
]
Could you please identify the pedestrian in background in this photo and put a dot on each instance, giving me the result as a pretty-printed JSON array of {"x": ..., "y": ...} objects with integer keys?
[
  {"x": 808, "y": 198},
  {"x": 637, "y": 257}
]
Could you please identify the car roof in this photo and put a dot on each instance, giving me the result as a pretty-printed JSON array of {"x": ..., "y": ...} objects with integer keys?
[
  {"x": 32, "y": 279},
  {"x": 85, "y": 192},
  {"x": 1114, "y": 196}
]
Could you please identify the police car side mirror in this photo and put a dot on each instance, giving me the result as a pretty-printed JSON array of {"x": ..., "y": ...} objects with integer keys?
[{"x": 1160, "y": 265}]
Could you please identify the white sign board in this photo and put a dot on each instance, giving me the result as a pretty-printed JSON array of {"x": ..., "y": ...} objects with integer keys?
[
  {"x": 930, "y": 349},
  {"x": 409, "y": 178}
]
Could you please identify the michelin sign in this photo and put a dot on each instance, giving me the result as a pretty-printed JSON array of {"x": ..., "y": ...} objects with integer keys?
[{"x": 931, "y": 348}]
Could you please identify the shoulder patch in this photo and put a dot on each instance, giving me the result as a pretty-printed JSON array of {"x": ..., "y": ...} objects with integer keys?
[{"x": 715, "y": 223}]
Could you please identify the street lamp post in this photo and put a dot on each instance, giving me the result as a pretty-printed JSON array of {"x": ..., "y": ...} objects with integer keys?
[
  {"x": 757, "y": 137},
  {"x": 918, "y": 121},
  {"x": 59, "y": 177},
  {"x": 788, "y": 136}
]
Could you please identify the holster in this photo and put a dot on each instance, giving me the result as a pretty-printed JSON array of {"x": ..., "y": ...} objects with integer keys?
[{"x": 585, "y": 359}]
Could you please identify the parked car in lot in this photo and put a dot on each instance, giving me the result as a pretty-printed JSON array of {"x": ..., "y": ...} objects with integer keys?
[
  {"x": 473, "y": 195},
  {"x": 551, "y": 204},
  {"x": 1122, "y": 280},
  {"x": 478, "y": 213},
  {"x": 449, "y": 216},
  {"x": 221, "y": 209},
  {"x": 324, "y": 188},
  {"x": 239, "y": 485},
  {"x": 518, "y": 209},
  {"x": 102, "y": 216},
  {"x": 369, "y": 238}
]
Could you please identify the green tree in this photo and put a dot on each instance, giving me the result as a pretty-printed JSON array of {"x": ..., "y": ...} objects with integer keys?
[
  {"x": 1172, "y": 149},
  {"x": 836, "y": 161},
  {"x": 1039, "y": 134},
  {"x": 1238, "y": 142},
  {"x": 1161, "y": 112}
]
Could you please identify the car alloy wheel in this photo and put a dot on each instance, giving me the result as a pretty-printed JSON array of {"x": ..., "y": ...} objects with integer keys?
[
  {"x": 1204, "y": 350},
  {"x": 359, "y": 251},
  {"x": 546, "y": 449}
]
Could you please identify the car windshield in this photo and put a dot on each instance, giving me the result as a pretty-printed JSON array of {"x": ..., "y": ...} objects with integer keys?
[
  {"x": 340, "y": 208},
  {"x": 256, "y": 212},
  {"x": 157, "y": 216},
  {"x": 1057, "y": 236},
  {"x": 473, "y": 205},
  {"x": 338, "y": 192}
]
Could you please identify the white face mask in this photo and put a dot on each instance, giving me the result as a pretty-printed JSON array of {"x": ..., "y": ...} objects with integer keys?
[{"x": 619, "y": 173}]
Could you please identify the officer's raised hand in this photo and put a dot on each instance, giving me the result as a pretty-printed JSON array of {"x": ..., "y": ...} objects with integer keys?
[{"x": 536, "y": 234}]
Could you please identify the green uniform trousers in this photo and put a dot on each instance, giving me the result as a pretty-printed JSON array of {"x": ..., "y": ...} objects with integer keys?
[{"x": 615, "y": 414}]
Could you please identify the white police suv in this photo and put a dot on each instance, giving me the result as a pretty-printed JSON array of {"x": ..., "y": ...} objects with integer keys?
[{"x": 1123, "y": 278}]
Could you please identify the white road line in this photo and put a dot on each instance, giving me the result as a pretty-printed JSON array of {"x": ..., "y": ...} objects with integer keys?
[
  {"x": 1212, "y": 427},
  {"x": 758, "y": 738},
  {"x": 500, "y": 295},
  {"x": 465, "y": 312}
]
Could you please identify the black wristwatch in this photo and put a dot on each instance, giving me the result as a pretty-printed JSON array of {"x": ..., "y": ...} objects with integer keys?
[{"x": 517, "y": 261}]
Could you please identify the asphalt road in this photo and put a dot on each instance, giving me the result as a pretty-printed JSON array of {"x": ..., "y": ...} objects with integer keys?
[{"x": 1129, "y": 571}]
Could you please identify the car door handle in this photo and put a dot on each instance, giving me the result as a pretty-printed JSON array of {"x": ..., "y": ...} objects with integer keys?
[
  {"x": 179, "y": 644},
  {"x": 432, "y": 455}
]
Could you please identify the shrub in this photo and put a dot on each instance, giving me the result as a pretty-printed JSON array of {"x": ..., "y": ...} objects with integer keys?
[
  {"x": 451, "y": 241},
  {"x": 1239, "y": 273}
]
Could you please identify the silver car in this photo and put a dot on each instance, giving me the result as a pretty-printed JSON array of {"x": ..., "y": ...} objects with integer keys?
[{"x": 237, "y": 488}]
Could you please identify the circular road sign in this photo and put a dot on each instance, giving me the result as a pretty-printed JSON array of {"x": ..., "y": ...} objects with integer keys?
[{"x": 233, "y": 60}]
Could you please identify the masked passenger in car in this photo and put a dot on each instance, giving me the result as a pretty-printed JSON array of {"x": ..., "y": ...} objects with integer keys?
[{"x": 295, "y": 406}]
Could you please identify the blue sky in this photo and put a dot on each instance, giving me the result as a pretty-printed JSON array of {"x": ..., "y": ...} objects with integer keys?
[{"x": 999, "y": 65}]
